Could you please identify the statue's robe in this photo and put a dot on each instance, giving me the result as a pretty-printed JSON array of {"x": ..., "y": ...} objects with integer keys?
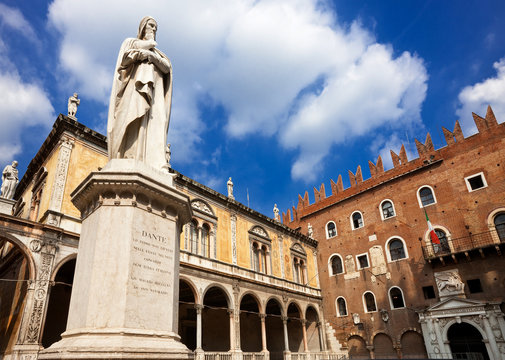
[
  {"x": 139, "y": 110},
  {"x": 9, "y": 182}
]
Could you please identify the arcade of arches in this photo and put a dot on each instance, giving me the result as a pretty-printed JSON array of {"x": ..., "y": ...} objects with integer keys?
[
  {"x": 38, "y": 269},
  {"x": 252, "y": 327}
]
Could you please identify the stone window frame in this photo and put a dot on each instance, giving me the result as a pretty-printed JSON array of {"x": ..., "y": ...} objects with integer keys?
[
  {"x": 337, "y": 307},
  {"x": 362, "y": 220},
  {"x": 388, "y": 253},
  {"x": 358, "y": 266},
  {"x": 467, "y": 181},
  {"x": 391, "y": 300},
  {"x": 203, "y": 214},
  {"x": 382, "y": 212},
  {"x": 491, "y": 223},
  {"x": 364, "y": 302},
  {"x": 419, "y": 196},
  {"x": 330, "y": 262},
  {"x": 327, "y": 232},
  {"x": 299, "y": 257},
  {"x": 259, "y": 236},
  {"x": 427, "y": 238}
]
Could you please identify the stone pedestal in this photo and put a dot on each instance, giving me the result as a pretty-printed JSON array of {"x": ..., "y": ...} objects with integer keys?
[
  {"x": 6, "y": 206},
  {"x": 125, "y": 295}
]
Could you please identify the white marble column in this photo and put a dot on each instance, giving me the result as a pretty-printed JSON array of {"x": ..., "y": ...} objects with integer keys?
[
  {"x": 444, "y": 348},
  {"x": 199, "y": 247},
  {"x": 263, "y": 333},
  {"x": 232, "y": 329},
  {"x": 490, "y": 336},
  {"x": 268, "y": 263},
  {"x": 319, "y": 326},
  {"x": 186, "y": 237},
  {"x": 37, "y": 297},
  {"x": 285, "y": 326},
  {"x": 199, "y": 309},
  {"x": 212, "y": 245},
  {"x": 60, "y": 180},
  {"x": 304, "y": 332}
]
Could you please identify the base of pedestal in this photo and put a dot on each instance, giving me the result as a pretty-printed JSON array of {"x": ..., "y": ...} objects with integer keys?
[
  {"x": 117, "y": 344},
  {"x": 6, "y": 206}
]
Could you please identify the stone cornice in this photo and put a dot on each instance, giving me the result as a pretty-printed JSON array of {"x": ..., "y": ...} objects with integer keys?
[
  {"x": 62, "y": 124},
  {"x": 232, "y": 204}
]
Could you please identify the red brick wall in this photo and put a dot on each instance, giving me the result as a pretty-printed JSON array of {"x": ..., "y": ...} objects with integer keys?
[{"x": 460, "y": 211}]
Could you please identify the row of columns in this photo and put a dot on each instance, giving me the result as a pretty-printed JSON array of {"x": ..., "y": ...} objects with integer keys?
[
  {"x": 231, "y": 313},
  {"x": 203, "y": 244}
]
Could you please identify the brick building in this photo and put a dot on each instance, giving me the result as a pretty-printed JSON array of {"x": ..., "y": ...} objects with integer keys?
[{"x": 389, "y": 289}]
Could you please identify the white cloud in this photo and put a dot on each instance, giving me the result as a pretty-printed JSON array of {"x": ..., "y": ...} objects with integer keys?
[
  {"x": 282, "y": 68},
  {"x": 477, "y": 97},
  {"x": 374, "y": 91},
  {"x": 14, "y": 19},
  {"x": 23, "y": 103}
]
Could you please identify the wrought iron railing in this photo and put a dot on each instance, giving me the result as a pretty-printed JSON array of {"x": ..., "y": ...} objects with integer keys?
[{"x": 465, "y": 243}]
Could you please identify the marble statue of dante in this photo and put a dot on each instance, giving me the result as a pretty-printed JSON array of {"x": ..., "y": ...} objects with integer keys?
[
  {"x": 140, "y": 102},
  {"x": 73, "y": 103},
  {"x": 9, "y": 180}
]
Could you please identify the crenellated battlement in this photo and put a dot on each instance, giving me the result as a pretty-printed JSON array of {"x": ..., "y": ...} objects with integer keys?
[{"x": 401, "y": 165}]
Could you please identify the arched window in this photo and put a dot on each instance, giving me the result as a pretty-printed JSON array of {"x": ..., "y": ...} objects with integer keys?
[
  {"x": 331, "y": 230},
  {"x": 426, "y": 196},
  {"x": 356, "y": 220},
  {"x": 499, "y": 223},
  {"x": 387, "y": 209},
  {"x": 194, "y": 237},
  {"x": 337, "y": 267},
  {"x": 444, "y": 244},
  {"x": 396, "y": 249},
  {"x": 396, "y": 298},
  {"x": 341, "y": 307},
  {"x": 256, "y": 257},
  {"x": 302, "y": 272},
  {"x": 205, "y": 240},
  {"x": 369, "y": 302},
  {"x": 263, "y": 259}
]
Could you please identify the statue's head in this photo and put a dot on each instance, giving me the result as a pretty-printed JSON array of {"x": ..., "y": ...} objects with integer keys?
[
  {"x": 75, "y": 95},
  {"x": 14, "y": 163},
  {"x": 147, "y": 25}
]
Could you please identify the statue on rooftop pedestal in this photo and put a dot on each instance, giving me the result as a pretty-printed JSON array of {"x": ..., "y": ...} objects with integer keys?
[
  {"x": 229, "y": 185},
  {"x": 73, "y": 103},
  {"x": 9, "y": 180},
  {"x": 141, "y": 97},
  {"x": 276, "y": 213}
]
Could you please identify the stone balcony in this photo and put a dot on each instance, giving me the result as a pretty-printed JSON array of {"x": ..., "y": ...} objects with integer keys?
[{"x": 227, "y": 269}]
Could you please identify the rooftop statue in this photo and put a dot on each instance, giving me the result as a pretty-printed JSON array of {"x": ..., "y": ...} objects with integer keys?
[
  {"x": 73, "y": 103},
  {"x": 140, "y": 101},
  {"x": 229, "y": 185},
  {"x": 9, "y": 180}
]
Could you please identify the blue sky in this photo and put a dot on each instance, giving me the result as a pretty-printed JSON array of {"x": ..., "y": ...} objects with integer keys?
[{"x": 280, "y": 95}]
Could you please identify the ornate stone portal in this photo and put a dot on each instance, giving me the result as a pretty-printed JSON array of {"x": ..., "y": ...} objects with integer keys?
[{"x": 124, "y": 301}]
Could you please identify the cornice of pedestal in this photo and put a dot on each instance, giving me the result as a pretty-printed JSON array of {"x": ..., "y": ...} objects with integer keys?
[{"x": 124, "y": 182}]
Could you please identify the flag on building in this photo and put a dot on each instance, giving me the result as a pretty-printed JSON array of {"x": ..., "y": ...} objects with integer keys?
[{"x": 433, "y": 234}]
